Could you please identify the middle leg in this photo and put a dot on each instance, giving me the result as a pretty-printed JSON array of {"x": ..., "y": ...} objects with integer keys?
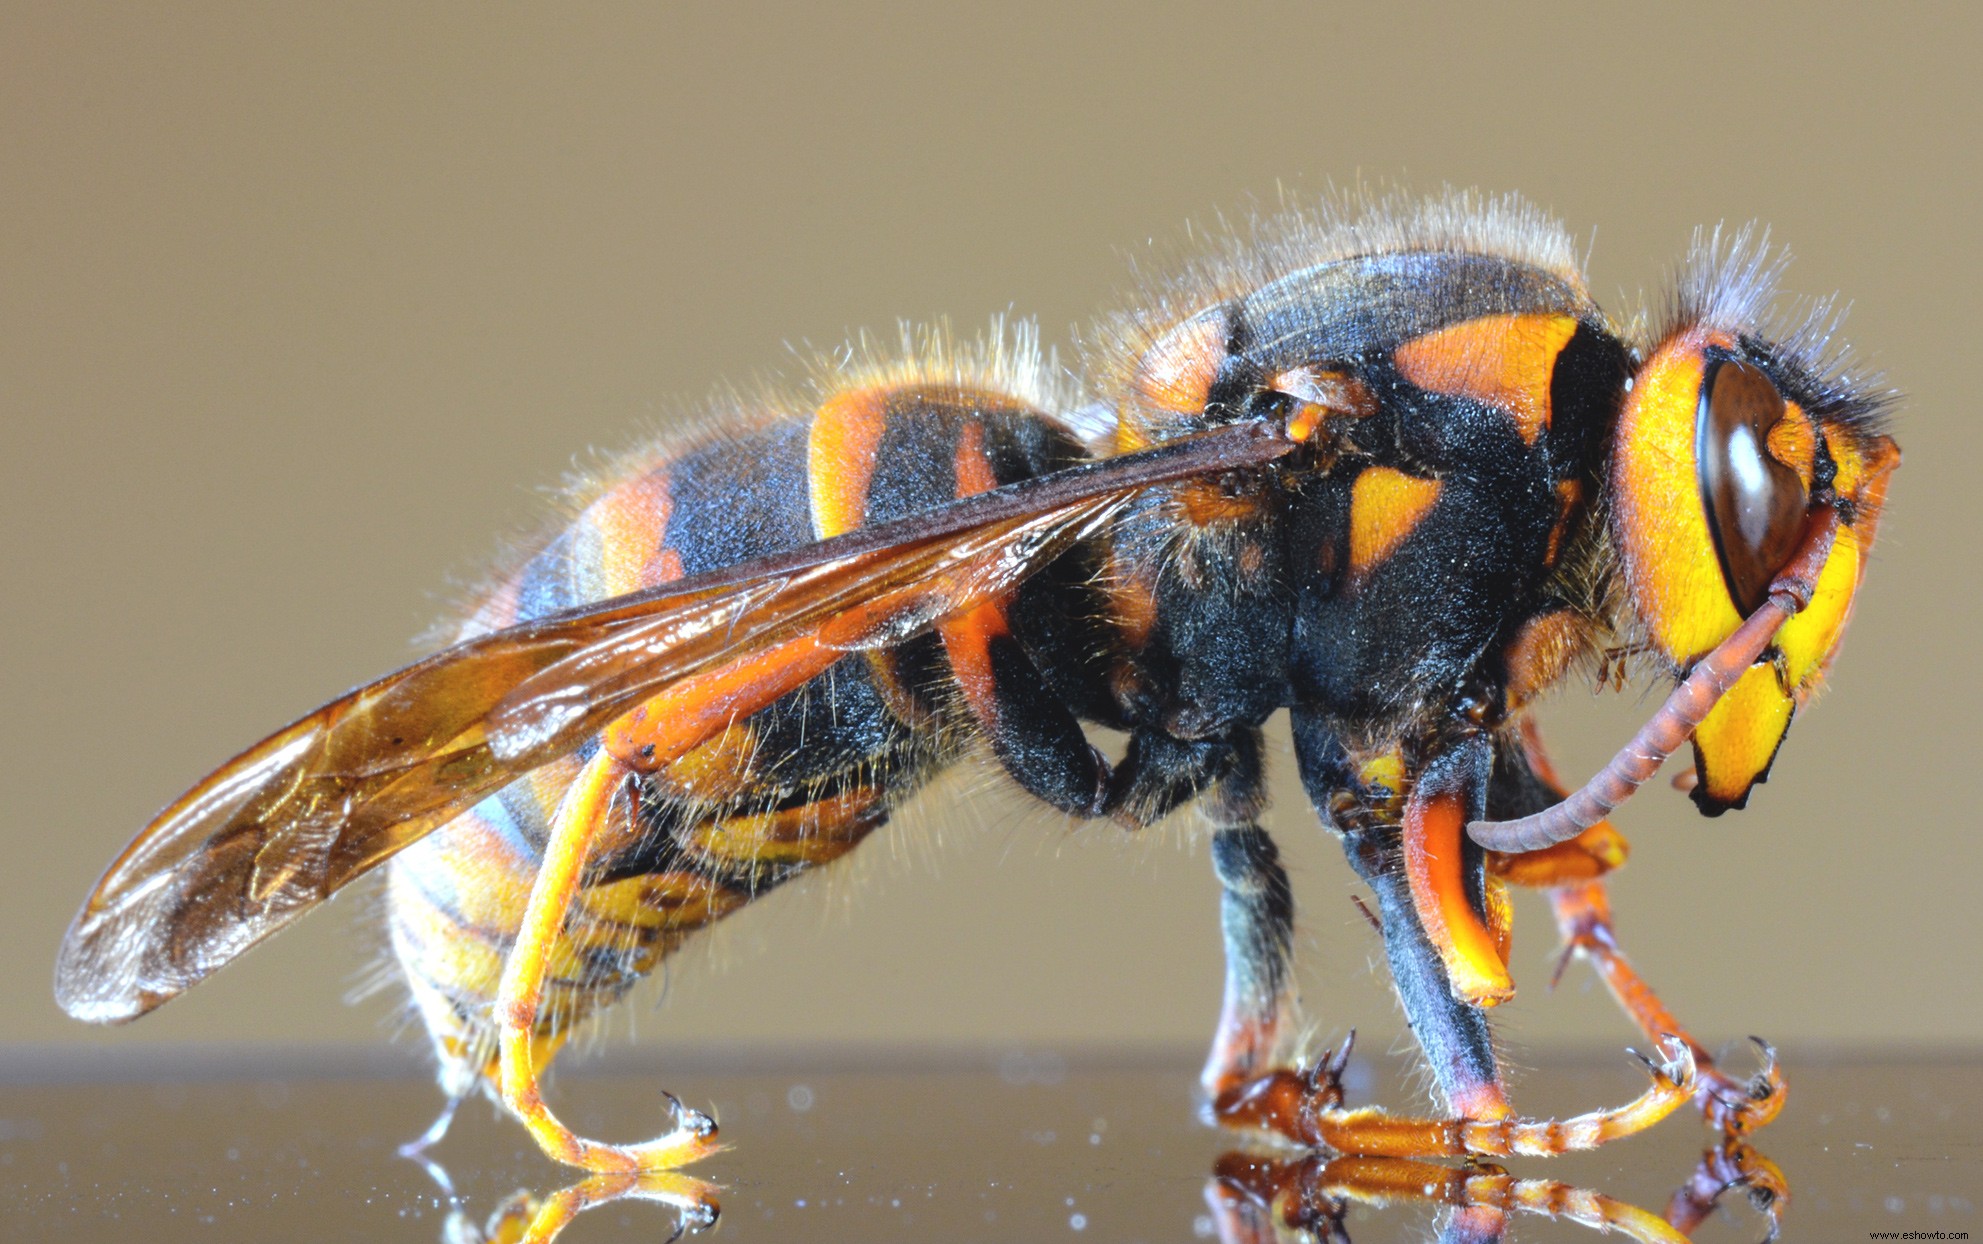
[
  {"x": 1158, "y": 774},
  {"x": 1256, "y": 920}
]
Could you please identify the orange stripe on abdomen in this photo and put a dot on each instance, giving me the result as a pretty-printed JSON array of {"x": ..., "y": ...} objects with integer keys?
[
  {"x": 1173, "y": 380},
  {"x": 630, "y": 527},
  {"x": 840, "y": 458},
  {"x": 967, "y": 637}
]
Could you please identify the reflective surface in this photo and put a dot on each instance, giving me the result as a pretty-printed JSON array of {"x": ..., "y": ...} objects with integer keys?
[{"x": 1020, "y": 1146}]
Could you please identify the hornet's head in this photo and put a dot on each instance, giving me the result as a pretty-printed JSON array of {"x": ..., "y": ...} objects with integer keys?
[{"x": 1730, "y": 442}]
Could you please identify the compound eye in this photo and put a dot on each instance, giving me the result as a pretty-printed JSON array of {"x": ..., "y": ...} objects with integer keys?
[{"x": 1756, "y": 505}]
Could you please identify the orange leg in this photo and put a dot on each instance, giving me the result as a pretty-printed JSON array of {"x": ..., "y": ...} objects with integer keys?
[
  {"x": 585, "y": 815},
  {"x": 1444, "y": 928},
  {"x": 1583, "y": 915},
  {"x": 1572, "y": 872},
  {"x": 1308, "y": 1109}
]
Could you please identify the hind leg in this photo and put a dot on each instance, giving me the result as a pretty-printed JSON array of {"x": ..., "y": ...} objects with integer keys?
[
  {"x": 692, "y": 866},
  {"x": 590, "y": 807}
]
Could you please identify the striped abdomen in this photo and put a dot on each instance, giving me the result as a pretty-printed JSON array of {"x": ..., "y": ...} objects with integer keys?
[{"x": 793, "y": 786}]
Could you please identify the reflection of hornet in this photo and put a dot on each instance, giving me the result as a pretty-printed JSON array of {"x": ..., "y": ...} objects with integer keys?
[
  {"x": 1394, "y": 472},
  {"x": 1263, "y": 1200}
]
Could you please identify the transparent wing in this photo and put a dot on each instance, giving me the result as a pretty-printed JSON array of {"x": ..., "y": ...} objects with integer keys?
[{"x": 300, "y": 815}]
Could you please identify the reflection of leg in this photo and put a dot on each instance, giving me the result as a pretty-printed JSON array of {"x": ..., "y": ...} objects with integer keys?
[
  {"x": 587, "y": 812},
  {"x": 1250, "y": 1193},
  {"x": 1307, "y": 1108},
  {"x": 1732, "y": 1164},
  {"x": 693, "y": 1201},
  {"x": 526, "y": 1219},
  {"x": 1583, "y": 915},
  {"x": 1256, "y": 1200}
]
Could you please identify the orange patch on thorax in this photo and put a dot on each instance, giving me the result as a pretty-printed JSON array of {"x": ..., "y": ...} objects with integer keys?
[
  {"x": 1506, "y": 361},
  {"x": 1385, "y": 506}
]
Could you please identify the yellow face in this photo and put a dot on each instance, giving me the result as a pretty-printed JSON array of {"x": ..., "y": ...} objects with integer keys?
[{"x": 1725, "y": 449}]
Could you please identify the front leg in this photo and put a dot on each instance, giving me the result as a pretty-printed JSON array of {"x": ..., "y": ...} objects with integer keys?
[
  {"x": 1526, "y": 782},
  {"x": 1737, "y": 1107},
  {"x": 1430, "y": 894}
]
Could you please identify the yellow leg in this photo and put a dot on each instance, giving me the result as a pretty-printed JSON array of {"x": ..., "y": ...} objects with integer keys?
[{"x": 585, "y": 814}]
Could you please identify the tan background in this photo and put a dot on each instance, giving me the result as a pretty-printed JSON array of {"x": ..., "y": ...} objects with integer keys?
[{"x": 300, "y": 308}]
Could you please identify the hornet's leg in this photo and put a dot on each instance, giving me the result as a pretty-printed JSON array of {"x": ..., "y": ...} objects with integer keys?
[
  {"x": 596, "y": 818},
  {"x": 1572, "y": 873},
  {"x": 1431, "y": 917},
  {"x": 1256, "y": 917},
  {"x": 1256, "y": 903},
  {"x": 1036, "y": 738},
  {"x": 594, "y": 806},
  {"x": 1306, "y": 1107},
  {"x": 1737, "y": 1107}
]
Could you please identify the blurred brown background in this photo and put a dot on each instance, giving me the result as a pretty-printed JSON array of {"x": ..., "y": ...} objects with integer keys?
[{"x": 299, "y": 310}]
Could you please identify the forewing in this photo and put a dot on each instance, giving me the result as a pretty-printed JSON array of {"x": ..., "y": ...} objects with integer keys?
[{"x": 303, "y": 813}]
